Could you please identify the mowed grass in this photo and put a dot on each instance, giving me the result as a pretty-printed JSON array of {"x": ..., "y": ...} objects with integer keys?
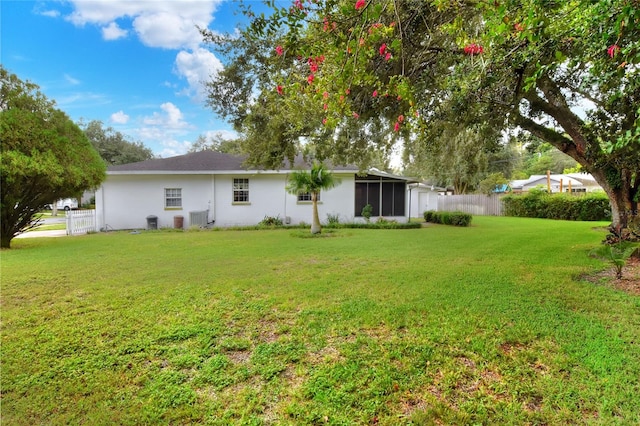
[{"x": 490, "y": 324}]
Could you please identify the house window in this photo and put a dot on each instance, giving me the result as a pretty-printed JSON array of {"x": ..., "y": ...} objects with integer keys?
[
  {"x": 173, "y": 198},
  {"x": 305, "y": 197},
  {"x": 241, "y": 190}
]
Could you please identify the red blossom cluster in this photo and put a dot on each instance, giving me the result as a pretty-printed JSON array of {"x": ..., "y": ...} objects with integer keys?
[
  {"x": 279, "y": 50},
  {"x": 360, "y": 4},
  {"x": 279, "y": 90},
  {"x": 612, "y": 50},
  {"x": 384, "y": 51},
  {"x": 473, "y": 49}
]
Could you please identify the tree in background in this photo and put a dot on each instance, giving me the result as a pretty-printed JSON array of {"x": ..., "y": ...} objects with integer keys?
[
  {"x": 491, "y": 183},
  {"x": 312, "y": 182},
  {"x": 113, "y": 146},
  {"x": 217, "y": 143},
  {"x": 565, "y": 72},
  {"x": 45, "y": 156}
]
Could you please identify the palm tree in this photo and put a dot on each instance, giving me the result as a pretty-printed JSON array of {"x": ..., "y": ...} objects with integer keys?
[{"x": 312, "y": 182}]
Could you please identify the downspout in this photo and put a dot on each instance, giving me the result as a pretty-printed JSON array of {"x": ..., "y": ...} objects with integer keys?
[
  {"x": 212, "y": 211},
  {"x": 286, "y": 179},
  {"x": 410, "y": 188}
]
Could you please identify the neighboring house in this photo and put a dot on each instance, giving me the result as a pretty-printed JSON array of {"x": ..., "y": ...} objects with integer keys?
[
  {"x": 216, "y": 189},
  {"x": 574, "y": 182}
]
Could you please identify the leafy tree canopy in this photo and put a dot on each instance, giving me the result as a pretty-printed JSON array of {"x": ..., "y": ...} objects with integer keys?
[
  {"x": 565, "y": 72},
  {"x": 217, "y": 143},
  {"x": 113, "y": 146},
  {"x": 44, "y": 156}
]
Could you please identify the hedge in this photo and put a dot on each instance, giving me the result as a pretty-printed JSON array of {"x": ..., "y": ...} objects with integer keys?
[
  {"x": 537, "y": 203},
  {"x": 448, "y": 218}
]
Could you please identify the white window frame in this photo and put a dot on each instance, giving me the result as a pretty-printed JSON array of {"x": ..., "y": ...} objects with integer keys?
[
  {"x": 305, "y": 197},
  {"x": 173, "y": 198},
  {"x": 240, "y": 190}
]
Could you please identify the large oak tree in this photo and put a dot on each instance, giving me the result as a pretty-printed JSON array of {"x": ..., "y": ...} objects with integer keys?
[
  {"x": 565, "y": 72},
  {"x": 44, "y": 156}
]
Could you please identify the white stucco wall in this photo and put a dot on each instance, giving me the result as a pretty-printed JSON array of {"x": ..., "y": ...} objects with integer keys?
[
  {"x": 422, "y": 199},
  {"x": 125, "y": 201}
]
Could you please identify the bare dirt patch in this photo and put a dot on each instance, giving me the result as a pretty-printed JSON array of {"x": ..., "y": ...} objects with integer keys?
[{"x": 630, "y": 281}]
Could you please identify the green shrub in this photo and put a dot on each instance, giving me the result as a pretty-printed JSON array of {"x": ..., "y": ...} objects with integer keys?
[
  {"x": 333, "y": 218},
  {"x": 366, "y": 212},
  {"x": 271, "y": 221},
  {"x": 384, "y": 224},
  {"x": 537, "y": 203},
  {"x": 428, "y": 215},
  {"x": 448, "y": 218}
]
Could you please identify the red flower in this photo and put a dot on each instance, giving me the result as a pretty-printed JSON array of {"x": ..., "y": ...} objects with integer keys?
[
  {"x": 324, "y": 121},
  {"x": 383, "y": 49},
  {"x": 396, "y": 127},
  {"x": 375, "y": 93},
  {"x": 360, "y": 4},
  {"x": 310, "y": 78},
  {"x": 325, "y": 95},
  {"x": 400, "y": 118},
  {"x": 356, "y": 115},
  {"x": 313, "y": 67},
  {"x": 325, "y": 106},
  {"x": 473, "y": 49},
  {"x": 387, "y": 56},
  {"x": 279, "y": 50},
  {"x": 347, "y": 91},
  {"x": 279, "y": 90},
  {"x": 519, "y": 27},
  {"x": 612, "y": 50},
  {"x": 298, "y": 4}
]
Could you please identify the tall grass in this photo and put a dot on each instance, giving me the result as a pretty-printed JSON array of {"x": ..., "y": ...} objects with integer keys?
[{"x": 489, "y": 324}]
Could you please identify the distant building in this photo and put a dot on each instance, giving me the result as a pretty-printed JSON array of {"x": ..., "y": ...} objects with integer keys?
[{"x": 571, "y": 182}]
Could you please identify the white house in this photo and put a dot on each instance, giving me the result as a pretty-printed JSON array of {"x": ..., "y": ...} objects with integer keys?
[
  {"x": 423, "y": 197},
  {"x": 212, "y": 188},
  {"x": 574, "y": 182}
]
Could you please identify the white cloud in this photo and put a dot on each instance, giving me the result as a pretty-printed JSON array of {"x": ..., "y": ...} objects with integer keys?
[
  {"x": 223, "y": 134},
  {"x": 170, "y": 119},
  {"x": 197, "y": 67},
  {"x": 167, "y": 24},
  {"x": 172, "y": 147},
  {"x": 71, "y": 80},
  {"x": 119, "y": 117},
  {"x": 113, "y": 32},
  {"x": 49, "y": 13}
]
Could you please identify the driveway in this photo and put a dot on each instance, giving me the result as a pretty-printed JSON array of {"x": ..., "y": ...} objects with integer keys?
[
  {"x": 48, "y": 221},
  {"x": 40, "y": 234}
]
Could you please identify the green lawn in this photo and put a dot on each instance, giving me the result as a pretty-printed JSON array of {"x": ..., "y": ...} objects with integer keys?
[{"x": 489, "y": 324}]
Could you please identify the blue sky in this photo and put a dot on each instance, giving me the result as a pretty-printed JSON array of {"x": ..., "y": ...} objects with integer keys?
[{"x": 135, "y": 65}]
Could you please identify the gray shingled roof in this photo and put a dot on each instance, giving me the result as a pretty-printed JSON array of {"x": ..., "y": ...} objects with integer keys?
[{"x": 202, "y": 161}]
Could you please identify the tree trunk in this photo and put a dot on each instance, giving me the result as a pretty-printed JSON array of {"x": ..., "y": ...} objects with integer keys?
[
  {"x": 625, "y": 221},
  {"x": 315, "y": 223},
  {"x": 5, "y": 241}
]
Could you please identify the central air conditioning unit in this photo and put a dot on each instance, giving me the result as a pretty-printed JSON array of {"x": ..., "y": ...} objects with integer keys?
[{"x": 199, "y": 218}]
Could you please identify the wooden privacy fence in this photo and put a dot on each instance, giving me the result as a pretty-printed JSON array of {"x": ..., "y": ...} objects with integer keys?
[
  {"x": 475, "y": 204},
  {"x": 81, "y": 221}
]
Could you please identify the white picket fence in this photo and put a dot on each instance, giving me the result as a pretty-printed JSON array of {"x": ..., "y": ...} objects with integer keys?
[
  {"x": 475, "y": 204},
  {"x": 81, "y": 222}
]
